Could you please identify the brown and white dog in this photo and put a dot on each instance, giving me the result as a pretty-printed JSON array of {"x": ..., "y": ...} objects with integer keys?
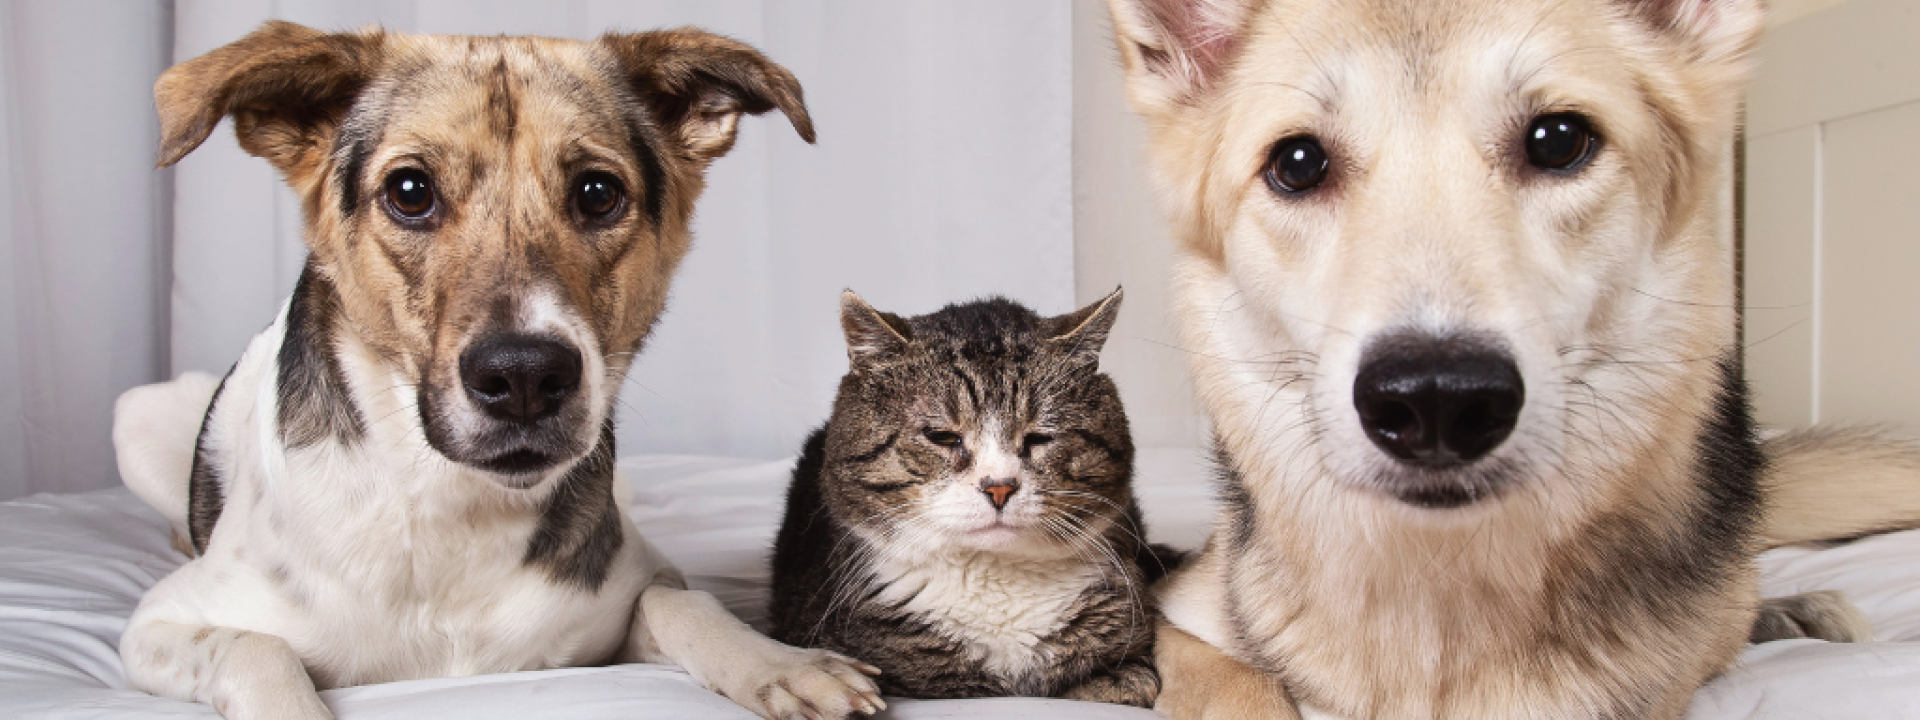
[
  {"x": 1457, "y": 283},
  {"x": 410, "y": 473}
]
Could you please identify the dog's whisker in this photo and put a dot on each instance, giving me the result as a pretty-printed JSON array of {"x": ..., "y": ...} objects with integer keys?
[{"x": 1691, "y": 303}]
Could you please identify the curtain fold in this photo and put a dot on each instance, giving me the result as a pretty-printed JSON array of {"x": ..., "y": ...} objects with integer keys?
[{"x": 84, "y": 242}]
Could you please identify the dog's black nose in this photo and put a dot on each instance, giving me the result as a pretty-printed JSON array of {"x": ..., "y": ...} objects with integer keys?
[
  {"x": 1437, "y": 402},
  {"x": 520, "y": 378}
]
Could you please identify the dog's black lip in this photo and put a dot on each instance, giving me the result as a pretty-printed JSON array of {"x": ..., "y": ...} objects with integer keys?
[
  {"x": 517, "y": 462},
  {"x": 1450, "y": 489},
  {"x": 1441, "y": 498}
]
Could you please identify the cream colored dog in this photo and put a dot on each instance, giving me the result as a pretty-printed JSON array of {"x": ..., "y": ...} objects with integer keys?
[
  {"x": 1457, "y": 283},
  {"x": 410, "y": 473}
]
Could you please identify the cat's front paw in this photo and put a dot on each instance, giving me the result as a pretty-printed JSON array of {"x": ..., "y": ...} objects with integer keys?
[
  {"x": 798, "y": 684},
  {"x": 1134, "y": 683}
]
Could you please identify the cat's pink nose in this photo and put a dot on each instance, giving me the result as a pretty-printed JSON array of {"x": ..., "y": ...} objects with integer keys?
[{"x": 998, "y": 490}]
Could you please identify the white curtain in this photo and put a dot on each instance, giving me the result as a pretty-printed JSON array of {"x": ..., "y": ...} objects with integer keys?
[
  {"x": 83, "y": 232},
  {"x": 944, "y": 171}
]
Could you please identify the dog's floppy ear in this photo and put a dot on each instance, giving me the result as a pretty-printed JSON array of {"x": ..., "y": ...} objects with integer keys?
[
  {"x": 1083, "y": 332},
  {"x": 872, "y": 335},
  {"x": 697, "y": 84},
  {"x": 1711, "y": 31},
  {"x": 285, "y": 85},
  {"x": 1174, "y": 50}
]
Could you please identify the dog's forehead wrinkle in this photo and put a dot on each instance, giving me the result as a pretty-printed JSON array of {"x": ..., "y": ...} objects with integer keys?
[
  {"x": 1444, "y": 53},
  {"x": 502, "y": 101},
  {"x": 501, "y": 92}
]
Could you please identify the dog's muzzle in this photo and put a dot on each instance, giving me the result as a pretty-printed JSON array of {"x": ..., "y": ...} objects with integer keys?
[
  {"x": 1437, "y": 403},
  {"x": 522, "y": 383}
]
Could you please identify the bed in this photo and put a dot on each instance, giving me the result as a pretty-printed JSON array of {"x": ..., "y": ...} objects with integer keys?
[{"x": 72, "y": 567}]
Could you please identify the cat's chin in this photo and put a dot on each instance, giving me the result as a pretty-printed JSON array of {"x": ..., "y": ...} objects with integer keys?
[{"x": 998, "y": 536}]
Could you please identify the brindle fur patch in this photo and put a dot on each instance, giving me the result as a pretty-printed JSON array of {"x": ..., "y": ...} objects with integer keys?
[
  {"x": 579, "y": 533},
  {"x": 314, "y": 404},
  {"x": 204, "y": 494}
]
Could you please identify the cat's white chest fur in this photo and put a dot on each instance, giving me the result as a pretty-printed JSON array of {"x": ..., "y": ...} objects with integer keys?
[{"x": 999, "y": 606}]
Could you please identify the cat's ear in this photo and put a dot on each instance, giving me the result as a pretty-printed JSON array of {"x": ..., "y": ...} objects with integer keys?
[
  {"x": 871, "y": 335},
  {"x": 1083, "y": 332}
]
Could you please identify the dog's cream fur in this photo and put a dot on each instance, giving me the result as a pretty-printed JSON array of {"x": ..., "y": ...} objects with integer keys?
[
  {"x": 348, "y": 528},
  {"x": 1605, "y": 569},
  {"x": 1827, "y": 484}
]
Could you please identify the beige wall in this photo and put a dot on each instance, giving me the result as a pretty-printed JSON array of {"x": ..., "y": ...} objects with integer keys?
[
  {"x": 1120, "y": 238},
  {"x": 1833, "y": 215},
  {"x": 1785, "y": 11}
]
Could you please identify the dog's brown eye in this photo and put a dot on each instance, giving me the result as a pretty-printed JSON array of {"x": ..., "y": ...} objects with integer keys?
[
  {"x": 410, "y": 194},
  {"x": 943, "y": 438},
  {"x": 1297, "y": 164},
  {"x": 1561, "y": 141},
  {"x": 598, "y": 195}
]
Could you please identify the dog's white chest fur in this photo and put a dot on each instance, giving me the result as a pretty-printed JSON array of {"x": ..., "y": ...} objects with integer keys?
[
  {"x": 409, "y": 594},
  {"x": 1000, "y": 607},
  {"x": 378, "y": 560}
]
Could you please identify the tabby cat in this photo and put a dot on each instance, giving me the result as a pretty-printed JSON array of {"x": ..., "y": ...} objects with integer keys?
[{"x": 965, "y": 520}]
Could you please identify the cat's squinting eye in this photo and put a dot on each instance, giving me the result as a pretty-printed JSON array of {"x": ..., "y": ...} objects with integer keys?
[
  {"x": 1037, "y": 439},
  {"x": 943, "y": 438}
]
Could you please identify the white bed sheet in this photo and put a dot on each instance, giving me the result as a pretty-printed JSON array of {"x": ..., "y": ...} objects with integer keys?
[{"x": 72, "y": 567}]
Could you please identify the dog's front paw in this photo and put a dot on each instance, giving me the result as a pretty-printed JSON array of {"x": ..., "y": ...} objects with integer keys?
[
  {"x": 1824, "y": 615},
  {"x": 794, "y": 684}
]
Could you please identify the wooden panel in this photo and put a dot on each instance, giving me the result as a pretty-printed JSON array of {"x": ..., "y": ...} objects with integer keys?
[
  {"x": 1870, "y": 340},
  {"x": 1854, "y": 57},
  {"x": 1779, "y": 275}
]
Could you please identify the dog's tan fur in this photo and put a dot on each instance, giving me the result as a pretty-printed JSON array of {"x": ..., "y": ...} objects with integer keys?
[
  {"x": 1608, "y": 570},
  {"x": 1839, "y": 483}
]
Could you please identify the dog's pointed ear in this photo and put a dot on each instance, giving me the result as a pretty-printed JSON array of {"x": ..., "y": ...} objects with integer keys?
[
  {"x": 1711, "y": 31},
  {"x": 1174, "y": 50},
  {"x": 872, "y": 335},
  {"x": 697, "y": 84},
  {"x": 1082, "y": 333},
  {"x": 286, "y": 87}
]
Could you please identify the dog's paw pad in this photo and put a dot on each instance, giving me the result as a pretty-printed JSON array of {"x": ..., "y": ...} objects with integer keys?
[{"x": 813, "y": 685}]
